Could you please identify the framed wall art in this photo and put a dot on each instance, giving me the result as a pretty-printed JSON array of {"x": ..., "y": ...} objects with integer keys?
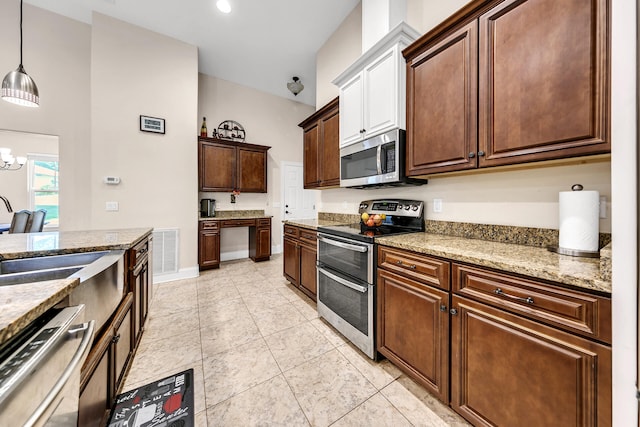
[{"x": 151, "y": 124}]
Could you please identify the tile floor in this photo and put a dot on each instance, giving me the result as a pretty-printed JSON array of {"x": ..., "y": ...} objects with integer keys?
[{"x": 262, "y": 357}]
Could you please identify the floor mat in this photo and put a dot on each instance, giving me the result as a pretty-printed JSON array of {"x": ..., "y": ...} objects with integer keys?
[{"x": 167, "y": 402}]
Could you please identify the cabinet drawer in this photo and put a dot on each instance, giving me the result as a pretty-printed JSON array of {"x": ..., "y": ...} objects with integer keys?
[
  {"x": 209, "y": 225},
  {"x": 291, "y": 231},
  {"x": 263, "y": 222},
  {"x": 238, "y": 223},
  {"x": 140, "y": 250},
  {"x": 429, "y": 270},
  {"x": 580, "y": 312},
  {"x": 308, "y": 236}
]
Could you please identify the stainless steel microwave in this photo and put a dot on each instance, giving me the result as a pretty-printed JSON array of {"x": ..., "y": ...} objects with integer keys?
[{"x": 376, "y": 162}]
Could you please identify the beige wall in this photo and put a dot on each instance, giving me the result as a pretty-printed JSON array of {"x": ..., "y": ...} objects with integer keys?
[
  {"x": 342, "y": 49},
  {"x": 57, "y": 56},
  {"x": 423, "y": 15},
  {"x": 268, "y": 120},
  {"x": 134, "y": 72}
]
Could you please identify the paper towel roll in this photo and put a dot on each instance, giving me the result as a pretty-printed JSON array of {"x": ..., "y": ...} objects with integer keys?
[{"x": 579, "y": 220}]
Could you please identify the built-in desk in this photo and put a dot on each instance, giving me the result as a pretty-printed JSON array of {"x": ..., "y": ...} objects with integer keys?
[{"x": 209, "y": 236}]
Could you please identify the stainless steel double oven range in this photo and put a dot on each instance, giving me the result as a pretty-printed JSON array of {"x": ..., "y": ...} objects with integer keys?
[{"x": 346, "y": 267}]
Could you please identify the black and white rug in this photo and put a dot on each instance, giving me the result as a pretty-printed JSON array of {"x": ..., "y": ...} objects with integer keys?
[{"x": 167, "y": 402}]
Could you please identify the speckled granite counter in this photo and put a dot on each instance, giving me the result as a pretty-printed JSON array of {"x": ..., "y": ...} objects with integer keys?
[
  {"x": 24, "y": 245},
  {"x": 531, "y": 261},
  {"x": 247, "y": 214},
  {"x": 21, "y": 304}
]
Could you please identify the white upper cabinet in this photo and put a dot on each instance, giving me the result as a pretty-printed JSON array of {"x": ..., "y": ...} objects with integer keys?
[{"x": 373, "y": 89}]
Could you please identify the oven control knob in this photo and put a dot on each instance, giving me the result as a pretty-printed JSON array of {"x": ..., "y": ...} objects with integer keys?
[
  {"x": 414, "y": 207},
  {"x": 407, "y": 207}
]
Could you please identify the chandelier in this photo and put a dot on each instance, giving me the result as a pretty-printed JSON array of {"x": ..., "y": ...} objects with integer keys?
[{"x": 7, "y": 161}]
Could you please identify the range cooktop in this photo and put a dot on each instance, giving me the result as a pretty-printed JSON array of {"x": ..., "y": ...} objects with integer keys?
[{"x": 400, "y": 216}]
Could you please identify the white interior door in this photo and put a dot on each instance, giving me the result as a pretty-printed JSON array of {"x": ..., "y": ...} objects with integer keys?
[{"x": 298, "y": 203}]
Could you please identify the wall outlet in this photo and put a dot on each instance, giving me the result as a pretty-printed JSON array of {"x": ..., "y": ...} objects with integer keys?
[
  {"x": 437, "y": 205},
  {"x": 112, "y": 206}
]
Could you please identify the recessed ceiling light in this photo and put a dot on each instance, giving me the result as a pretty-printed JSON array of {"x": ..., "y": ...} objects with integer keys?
[{"x": 223, "y": 6}]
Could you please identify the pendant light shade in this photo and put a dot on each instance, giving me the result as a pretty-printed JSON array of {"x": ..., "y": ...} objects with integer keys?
[{"x": 17, "y": 86}]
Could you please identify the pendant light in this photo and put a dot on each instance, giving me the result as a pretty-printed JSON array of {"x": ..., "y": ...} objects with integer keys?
[{"x": 17, "y": 86}]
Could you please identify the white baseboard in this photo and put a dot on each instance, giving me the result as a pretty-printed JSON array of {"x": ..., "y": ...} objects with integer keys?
[
  {"x": 276, "y": 249},
  {"x": 183, "y": 273}
]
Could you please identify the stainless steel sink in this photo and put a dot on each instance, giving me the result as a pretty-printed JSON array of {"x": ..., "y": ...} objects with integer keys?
[
  {"x": 101, "y": 277},
  {"x": 37, "y": 269}
]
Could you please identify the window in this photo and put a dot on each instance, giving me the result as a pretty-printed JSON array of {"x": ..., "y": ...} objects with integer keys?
[{"x": 43, "y": 186}]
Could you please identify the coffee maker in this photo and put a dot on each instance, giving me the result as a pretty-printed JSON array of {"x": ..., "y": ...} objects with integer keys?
[{"x": 207, "y": 208}]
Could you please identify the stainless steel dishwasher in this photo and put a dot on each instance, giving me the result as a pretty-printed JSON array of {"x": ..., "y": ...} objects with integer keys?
[{"x": 40, "y": 370}]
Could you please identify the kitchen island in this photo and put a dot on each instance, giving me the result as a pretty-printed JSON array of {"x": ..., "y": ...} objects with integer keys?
[{"x": 117, "y": 338}]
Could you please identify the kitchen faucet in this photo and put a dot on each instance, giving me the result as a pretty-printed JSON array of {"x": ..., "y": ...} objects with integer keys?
[{"x": 6, "y": 203}]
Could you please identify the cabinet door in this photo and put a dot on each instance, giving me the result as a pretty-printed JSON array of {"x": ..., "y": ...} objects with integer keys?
[
  {"x": 209, "y": 253},
  {"x": 380, "y": 95},
  {"x": 506, "y": 369},
  {"x": 442, "y": 105},
  {"x": 122, "y": 339},
  {"x": 260, "y": 243},
  {"x": 252, "y": 170},
  {"x": 217, "y": 164},
  {"x": 96, "y": 391},
  {"x": 413, "y": 330},
  {"x": 351, "y": 115},
  {"x": 311, "y": 141},
  {"x": 291, "y": 261},
  {"x": 330, "y": 149},
  {"x": 544, "y": 84},
  {"x": 308, "y": 278}
]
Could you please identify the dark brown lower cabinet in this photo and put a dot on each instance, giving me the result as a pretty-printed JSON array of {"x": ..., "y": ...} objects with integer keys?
[
  {"x": 500, "y": 349},
  {"x": 104, "y": 369},
  {"x": 260, "y": 240},
  {"x": 209, "y": 239},
  {"x": 413, "y": 330},
  {"x": 300, "y": 253},
  {"x": 507, "y": 370}
]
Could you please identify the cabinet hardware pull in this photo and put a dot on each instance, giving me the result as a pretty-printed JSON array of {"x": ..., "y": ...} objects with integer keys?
[
  {"x": 115, "y": 339},
  {"x": 472, "y": 155},
  {"x": 480, "y": 153},
  {"x": 453, "y": 312},
  {"x": 528, "y": 300},
  {"x": 443, "y": 308},
  {"x": 401, "y": 264}
]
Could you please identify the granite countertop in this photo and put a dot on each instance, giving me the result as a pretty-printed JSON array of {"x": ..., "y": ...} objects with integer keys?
[
  {"x": 536, "y": 262},
  {"x": 242, "y": 214},
  {"x": 21, "y": 304}
]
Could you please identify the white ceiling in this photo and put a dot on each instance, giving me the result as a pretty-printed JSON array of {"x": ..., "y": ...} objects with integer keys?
[{"x": 260, "y": 44}]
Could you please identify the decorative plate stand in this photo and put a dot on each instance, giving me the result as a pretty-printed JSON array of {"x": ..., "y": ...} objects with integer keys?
[{"x": 231, "y": 130}]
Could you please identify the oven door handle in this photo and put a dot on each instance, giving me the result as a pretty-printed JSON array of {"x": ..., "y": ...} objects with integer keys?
[
  {"x": 342, "y": 281},
  {"x": 342, "y": 245}
]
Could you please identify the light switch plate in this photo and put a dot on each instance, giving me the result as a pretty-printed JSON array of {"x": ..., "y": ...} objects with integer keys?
[{"x": 437, "y": 205}]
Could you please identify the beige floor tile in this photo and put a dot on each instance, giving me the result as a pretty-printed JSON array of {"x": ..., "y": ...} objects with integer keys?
[
  {"x": 296, "y": 345},
  {"x": 163, "y": 355},
  {"x": 380, "y": 374},
  {"x": 291, "y": 293},
  {"x": 216, "y": 291},
  {"x": 174, "y": 301},
  {"x": 261, "y": 300},
  {"x": 216, "y": 311},
  {"x": 328, "y": 332},
  {"x": 161, "y": 326},
  {"x": 377, "y": 411},
  {"x": 277, "y": 318},
  {"x": 268, "y": 404},
  {"x": 234, "y": 371},
  {"x": 418, "y": 406},
  {"x": 201, "y": 419},
  {"x": 223, "y": 336},
  {"x": 306, "y": 307},
  {"x": 328, "y": 387}
]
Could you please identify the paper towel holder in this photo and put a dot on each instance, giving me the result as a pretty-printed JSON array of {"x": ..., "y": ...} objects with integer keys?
[{"x": 575, "y": 252}]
